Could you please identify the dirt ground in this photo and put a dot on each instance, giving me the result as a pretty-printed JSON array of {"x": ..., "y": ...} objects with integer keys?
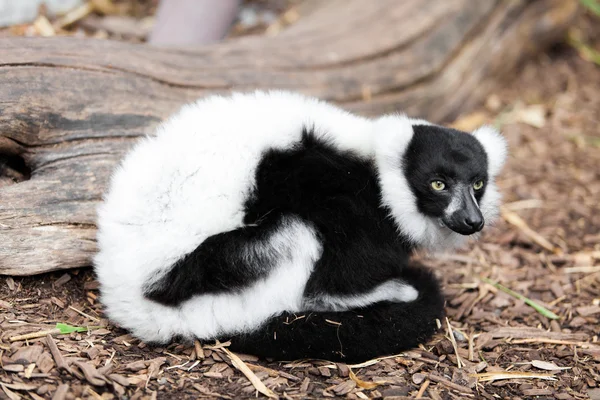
[{"x": 546, "y": 247}]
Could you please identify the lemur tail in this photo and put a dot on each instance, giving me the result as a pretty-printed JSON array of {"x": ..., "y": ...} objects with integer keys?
[{"x": 381, "y": 329}]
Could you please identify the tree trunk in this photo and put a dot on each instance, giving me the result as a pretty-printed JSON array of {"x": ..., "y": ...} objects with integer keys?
[{"x": 70, "y": 108}]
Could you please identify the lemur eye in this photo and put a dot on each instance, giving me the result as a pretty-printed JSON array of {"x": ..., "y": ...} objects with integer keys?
[
  {"x": 478, "y": 185},
  {"x": 438, "y": 185}
]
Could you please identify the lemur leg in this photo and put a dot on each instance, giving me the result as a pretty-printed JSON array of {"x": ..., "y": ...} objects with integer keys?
[{"x": 225, "y": 262}]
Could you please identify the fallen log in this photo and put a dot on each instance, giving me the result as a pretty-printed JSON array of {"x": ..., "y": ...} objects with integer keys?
[{"x": 70, "y": 108}]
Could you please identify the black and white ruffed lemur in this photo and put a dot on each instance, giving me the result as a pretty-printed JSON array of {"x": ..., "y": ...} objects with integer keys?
[{"x": 285, "y": 224}]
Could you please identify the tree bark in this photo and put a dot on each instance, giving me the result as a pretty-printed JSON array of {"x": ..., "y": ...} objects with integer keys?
[{"x": 70, "y": 108}]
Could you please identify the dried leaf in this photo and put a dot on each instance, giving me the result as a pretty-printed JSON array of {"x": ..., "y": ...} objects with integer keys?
[
  {"x": 548, "y": 366},
  {"x": 364, "y": 384}
]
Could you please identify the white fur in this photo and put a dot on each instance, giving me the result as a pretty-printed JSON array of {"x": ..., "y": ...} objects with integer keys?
[
  {"x": 496, "y": 149},
  {"x": 495, "y": 146},
  {"x": 394, "y": 290}
]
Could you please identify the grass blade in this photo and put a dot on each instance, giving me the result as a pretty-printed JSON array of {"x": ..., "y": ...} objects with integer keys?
[{"x": 537, "y": 307}]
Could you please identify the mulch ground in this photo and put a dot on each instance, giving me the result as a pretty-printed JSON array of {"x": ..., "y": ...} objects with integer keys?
[{"x": 546, "y": 247}]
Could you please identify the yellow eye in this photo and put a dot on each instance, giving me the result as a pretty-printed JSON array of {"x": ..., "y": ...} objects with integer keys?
[
  {"x": 438, "y": 185},
  {"x": 478, "y": 185}
]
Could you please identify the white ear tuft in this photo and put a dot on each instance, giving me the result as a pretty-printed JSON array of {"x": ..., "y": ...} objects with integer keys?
[{"x": 495, "y": 147}]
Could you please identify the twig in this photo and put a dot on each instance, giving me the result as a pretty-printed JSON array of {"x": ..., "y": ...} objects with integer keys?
[
  {"x": 422, "y": 389},
  {"x": 74, "y": 15},
  {"x": 585, "y": 269},
  {"x": 496, "y": 376},
  {"x": 550, "y": 341},
  {"x": 459, "y": 362},
  {"x": 539, "y": 308},
  {"x": 34, "y": 335},
  {"x": 256, "y": 382},
  {"x": 84, "y": 314},
  {"x": 449, "y": 384}
]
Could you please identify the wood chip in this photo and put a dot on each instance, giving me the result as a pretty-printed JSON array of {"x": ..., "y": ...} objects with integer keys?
[
  {"x": 257, "y": 383},
  {"x": 537, "y": 392},
  {"x": 58, "y": 358},
  {"x": 343, "y": 370},
  {"x": 61, "y": 392},
  {"x": 11, "y": 395},
  {"x": 514, "y": 219},
  {"x": 20, "y": 386},
  {"x": 586, "y": 311},
  {"x": 13, "y": 367},
  {"x": 121, "y": 380},
  {"x": 344, "y": 387},
  {"x": 90, "y": 373},
  {"x": 5, "y": 304},
  {"x": 27, "y": 354},
  {"x": 62, "y": 280}
]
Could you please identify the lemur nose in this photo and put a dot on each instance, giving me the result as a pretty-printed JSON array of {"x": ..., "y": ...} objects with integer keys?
[{"x": 475, "y": 223}]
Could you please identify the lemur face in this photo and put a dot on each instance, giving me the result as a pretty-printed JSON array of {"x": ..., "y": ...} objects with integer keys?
[{"x": 447, "y": 170}]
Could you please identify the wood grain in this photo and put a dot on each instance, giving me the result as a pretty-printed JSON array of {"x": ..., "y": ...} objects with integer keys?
[{"x": 70, "y": 108}]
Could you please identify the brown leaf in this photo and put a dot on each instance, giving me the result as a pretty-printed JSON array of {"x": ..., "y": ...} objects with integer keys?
[{"x": 364, "y": 384}]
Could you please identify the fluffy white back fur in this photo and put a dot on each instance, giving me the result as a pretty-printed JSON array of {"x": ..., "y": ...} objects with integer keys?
[{"x": 190, "y": 181}]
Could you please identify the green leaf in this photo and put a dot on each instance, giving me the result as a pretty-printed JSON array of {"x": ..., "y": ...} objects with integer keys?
[
  {"x": 537, "y": 307},
  {"x": 66, "y": 329},
  {"x": 592, "y": 5}
]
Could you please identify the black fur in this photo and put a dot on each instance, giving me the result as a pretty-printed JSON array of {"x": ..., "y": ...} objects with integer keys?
[
  {"x": 352, "y": 336},
  {"x": 217, "y": 265},
  {"x": 335, "y": 192},
  {"x": 339, "y": 195}
]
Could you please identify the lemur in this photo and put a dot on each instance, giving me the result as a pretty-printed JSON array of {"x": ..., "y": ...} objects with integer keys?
[{"x": 285, "y": 224}]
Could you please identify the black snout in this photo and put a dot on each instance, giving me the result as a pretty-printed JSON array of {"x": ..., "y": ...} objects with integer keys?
[
  {"x": 468, "y": 219},
  {"x": 475, "y": 222}
]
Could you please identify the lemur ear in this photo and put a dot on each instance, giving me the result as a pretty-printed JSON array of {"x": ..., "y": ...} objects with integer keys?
[
  {"x": 495, "y": 147},
  {"x": 393, "y": 134}
]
